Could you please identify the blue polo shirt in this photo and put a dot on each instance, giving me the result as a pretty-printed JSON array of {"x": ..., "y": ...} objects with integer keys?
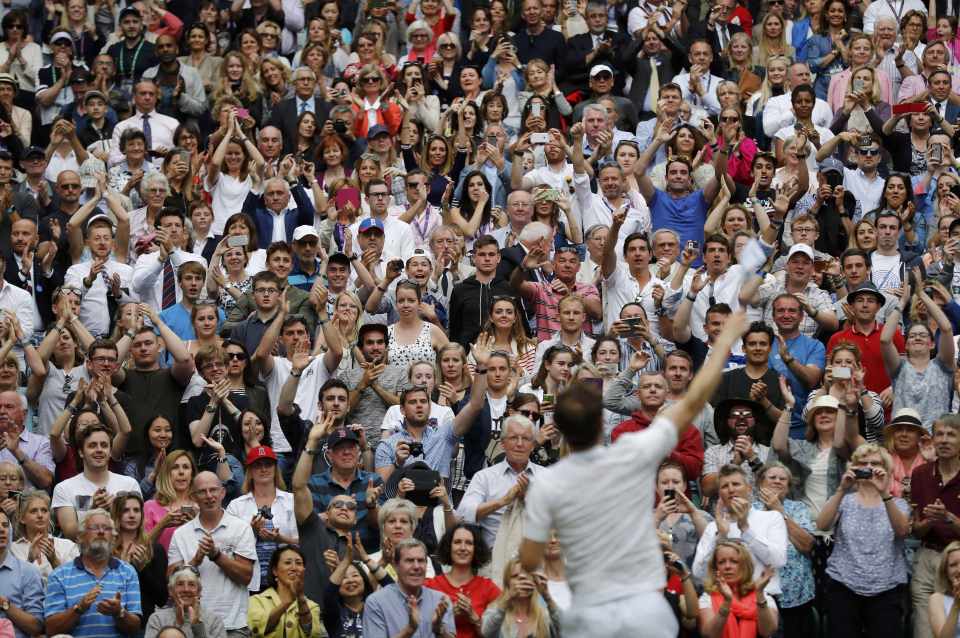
[
  {"x": 69, "y": 583},
  {"x": 20, "y": 582},
  {"x": 438, "y": 445},
  {"x": 686, "y": 215},
  {"x": 177, "y": 319},
  {"x": 807, "y": 351}
]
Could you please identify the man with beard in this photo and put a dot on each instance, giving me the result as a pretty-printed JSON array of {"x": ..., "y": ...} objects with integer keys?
[
  {"x": 181, "y": 88},
  {"x": 374, "y": 382},
  {"x": 344, "y": 481},
  {"x": 437, "y": 442},
  {"x": 22, "y": 587},
  {"x": 95, "y": 487},
  {"x": 96, "y": 594},
  {"x": 28, "y": 450},
  {"x": 133, "y": 53},
  {"x": 407, "y": 608},
  {"x": 222, "y": 548},
  {"x": 735, "y": 421}
]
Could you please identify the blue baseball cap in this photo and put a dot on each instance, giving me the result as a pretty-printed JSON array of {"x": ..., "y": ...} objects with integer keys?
[{"x": 371, "y": 222}]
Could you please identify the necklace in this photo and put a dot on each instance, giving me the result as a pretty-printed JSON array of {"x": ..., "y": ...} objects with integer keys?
[{"x": 133, "y": 63}]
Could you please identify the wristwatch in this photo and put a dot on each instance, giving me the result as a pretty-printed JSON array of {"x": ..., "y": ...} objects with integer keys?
[
  {"x": 5, "y": 605},
  {"x": 211, "y": 408}
]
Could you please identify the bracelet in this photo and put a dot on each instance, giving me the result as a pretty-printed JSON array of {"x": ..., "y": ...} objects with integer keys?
[
  {"x": 887, "y": 499},
  {"x": 223, "y": 460},
  {"x": 480, "y": 370},
  {"x": 692, "y": 297},
  {"x": 296, "y": 373},
  {"x": 762, "y": 604},
  {"x": 724, "y": 609},
  {"x": 210, "y": 409},
  {"x": 789, "y": 361},
  {"x": 313, "y": 452}
]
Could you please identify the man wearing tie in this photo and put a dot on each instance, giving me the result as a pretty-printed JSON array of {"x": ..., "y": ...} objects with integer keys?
[
  {"x": 37, "y": 272},
  {"x": 655, "y": 64},
  {"x": 940, "y": 86},
  {"x": 699, "y": 84},
  {"x": 155, "y": 274},
  {"x": 157, "y": 128},
  {"x": 717, "y": 31},
  {"x": 287, "y": 113}
]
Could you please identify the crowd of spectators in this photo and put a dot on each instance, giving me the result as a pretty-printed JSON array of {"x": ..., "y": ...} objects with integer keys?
[{"x": 290, "y": 289}]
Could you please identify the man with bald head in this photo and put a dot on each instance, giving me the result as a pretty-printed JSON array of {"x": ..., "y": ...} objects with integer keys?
[
  {"x": 34, "y": 267},
  {"x": 278, "y": 211},
  {"x": 223, "y": 549},
  {"x": 181, "y": 87},
  {"x": 28, "y": 450},
  {"x": 270, "y": 145},
  {"x": 519, "y": 213}
]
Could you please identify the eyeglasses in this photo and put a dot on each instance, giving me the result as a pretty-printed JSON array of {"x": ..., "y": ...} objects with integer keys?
[
  {"x": 732, "y": 119},
  {"x": 377, "y": 194},
  {"x": 268, "y": 35},
  {"x": 344, "y": 505},
  {"x": 530, "y": 414},
  {"x": 70, "y": 187},
  {"x": 413, "y": 184},
  {"x": 265, "y": 291},
  {"x": 17, "y": 25},
  {"x": 869, "y": 152},
  {"x": 103, "y": 360},
  {"x": 236, "y": 356},
  {"x": 775, "y": 2}
]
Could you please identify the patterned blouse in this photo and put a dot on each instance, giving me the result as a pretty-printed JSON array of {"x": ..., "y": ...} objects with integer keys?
[{"x": 796, "y": 577}]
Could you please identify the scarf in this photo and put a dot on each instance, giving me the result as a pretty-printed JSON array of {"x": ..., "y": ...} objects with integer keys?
[
  {"x": 742, "y": 621},
  {"x": 371, "y": 110}
]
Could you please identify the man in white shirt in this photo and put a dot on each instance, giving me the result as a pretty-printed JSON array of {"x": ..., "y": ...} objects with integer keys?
[
  {"x": 222, "y": 548},
  {"x": 635, "y": 283},
  {"x": 495, "y": 489},
  {"x": 16, "y": 301},
  {"x": 778, "y": 113},
  {"x": 519, "y": 214},
  {"x": 156, "y": 127},
  {"x": 398, "y": 237},
  {"x": 600, "y": 132},
  {"x": 97, "y": 279},
  {"x": 895, "y": 9},
  {"x": 618, "y": 589},
  {"x": 865, "y": 183},
  {"x": 557, "y": 173},
  {"x": 699, "y": 85},
  {"x": 764, "y": 533},
  {"x": 155, "y": 274}
]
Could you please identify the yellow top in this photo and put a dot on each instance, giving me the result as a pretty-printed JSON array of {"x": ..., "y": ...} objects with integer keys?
[{"x": 263, "y": 604}]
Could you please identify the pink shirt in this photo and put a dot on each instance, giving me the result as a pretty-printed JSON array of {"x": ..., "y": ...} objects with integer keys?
[
  {"x": 839, "y": 82},
  {"x": 153, "y": 512}
]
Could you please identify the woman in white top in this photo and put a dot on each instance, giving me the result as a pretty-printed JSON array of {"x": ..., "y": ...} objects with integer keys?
[
  {"x": 240, "y": 224},
  {"x": 944, "y": 609},
  {"x": 411, "y": 338},
  {"x": 59, "y": 369},
  {"x": 232, "y": 172},
  {"x": 36, "y": 544},
  {"x": 18, "y": 56},
  {"x": 268, "y": 507}
]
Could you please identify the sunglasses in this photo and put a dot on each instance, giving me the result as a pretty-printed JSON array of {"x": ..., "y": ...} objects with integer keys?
[
  {"x": 448, "y": 45},
  {"x": 187, "y": 568},
  {"x": 236, "y": 356},
  {"x": 732, "y": 119},
  {"x": 869, "y": 152},
  {"x": 530, "y": 414},
  {"x": 344, "y": 505},
  {"x": 16, "y": 26}
]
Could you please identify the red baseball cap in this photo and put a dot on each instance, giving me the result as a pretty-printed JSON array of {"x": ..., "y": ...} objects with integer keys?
[{"x": 260, "y": 452}]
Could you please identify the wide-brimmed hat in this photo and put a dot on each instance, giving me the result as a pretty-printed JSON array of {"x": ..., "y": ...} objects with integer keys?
[
  {"x": 722, "y": 411},
  {"x": 904, "y": 418},
  {"x": 824, "y": 401}
]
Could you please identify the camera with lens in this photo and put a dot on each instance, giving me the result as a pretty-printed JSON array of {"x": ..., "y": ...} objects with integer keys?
[
  {"x": 265, "y": 513},
  {"x": 863, "y": 473},
  {"x": 416, "y": 449},
  {"x": 340, "y": 126}
]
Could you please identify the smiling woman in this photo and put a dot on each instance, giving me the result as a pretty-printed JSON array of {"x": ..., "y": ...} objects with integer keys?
[{"x": 284, "y": 610}]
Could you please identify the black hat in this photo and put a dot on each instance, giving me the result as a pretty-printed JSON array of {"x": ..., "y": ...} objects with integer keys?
[
  {"x": 129, "y": 11},
  {"x": 722, "y": 411},
  {"x": 340, "y": 435},
  {"x": 868, "y": 288},
  {"x": 34, "y": 151}
]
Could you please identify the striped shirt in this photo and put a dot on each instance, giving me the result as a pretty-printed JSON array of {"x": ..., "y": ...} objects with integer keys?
[
  {"x": 69, "y": 583},
  {"x": 548, "y": 314}
]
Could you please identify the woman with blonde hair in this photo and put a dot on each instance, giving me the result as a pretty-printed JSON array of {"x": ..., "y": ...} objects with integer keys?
[
  {"x": 172, "y": 504},
  {"x": 864, "y": 236},
  {"x": 525, "y": 608},
  {"x": 862, "y": 110},
  {"x": 237, "y": 79},
  {"x": 774, "y": 84},
  {"x": 35, "y": 542},
  {"x": 370, "y": 106},
  {"x": 732, "y": 603},
  {"x": 944, "y": 607},
  {"x": 275, "y": 80},
  {"x": 867, "y": 567},
  {"x": 739, "y": 65},
  {"x": 771, "y": 40},
  {"x": 347, "y": 319}
]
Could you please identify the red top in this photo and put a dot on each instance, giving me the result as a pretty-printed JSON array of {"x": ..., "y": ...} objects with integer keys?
[
  {"x": 926, "y": 486},
  {"x": 874, "y": 374},
  {"x": 480, "y": 590},
  {"x": 689, "y": 449}
]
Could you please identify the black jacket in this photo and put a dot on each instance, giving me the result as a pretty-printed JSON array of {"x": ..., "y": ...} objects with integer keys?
[
  {"x": 470, "y": 304},
  {"x": 43, "y": 287}
]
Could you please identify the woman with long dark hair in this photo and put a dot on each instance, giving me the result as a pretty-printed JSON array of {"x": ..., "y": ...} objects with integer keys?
[
  {"x": 463, "y": 549},
  {"x": 199, "y": 39},
  {"x": 134, "y": 546},
  {"x": 349, "y": 587},
  {"x": 473, "y": 216}
]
